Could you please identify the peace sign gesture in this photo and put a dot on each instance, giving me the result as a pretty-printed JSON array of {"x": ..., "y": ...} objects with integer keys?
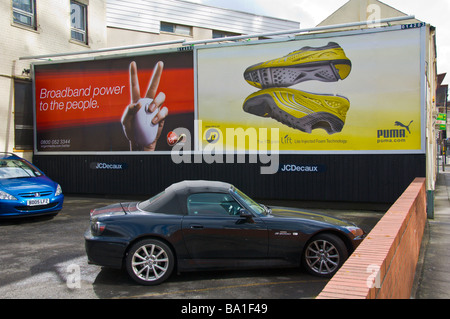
[{"x": 143, "y": 119}]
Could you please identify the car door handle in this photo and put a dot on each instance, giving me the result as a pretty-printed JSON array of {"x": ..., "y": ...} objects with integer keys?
[{"x": 196, "y": 226}]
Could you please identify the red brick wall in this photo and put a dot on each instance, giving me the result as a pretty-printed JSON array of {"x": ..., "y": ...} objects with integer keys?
[{"x": 384, "y": 264}]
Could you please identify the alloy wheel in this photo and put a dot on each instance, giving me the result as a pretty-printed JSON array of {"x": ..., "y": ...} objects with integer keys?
[
  {"x": 324, "y": 255},
  {"x": 150, "y": 262}
]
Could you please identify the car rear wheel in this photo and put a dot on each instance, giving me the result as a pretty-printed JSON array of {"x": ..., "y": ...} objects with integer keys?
[
  {"x": 324, "y": 255},
  {"x": 150, "y": 262}
]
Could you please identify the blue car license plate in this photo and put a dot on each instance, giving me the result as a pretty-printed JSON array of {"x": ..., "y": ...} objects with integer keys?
[{"x": 37, "y": 202}]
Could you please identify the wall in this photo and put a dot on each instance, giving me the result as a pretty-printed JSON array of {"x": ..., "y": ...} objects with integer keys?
[
  {"x": 341, "y": 178},
  {"x": 383, "y": 266},
  {"x": 133, "y": 22},
  {"x": 146, "y": 16}
]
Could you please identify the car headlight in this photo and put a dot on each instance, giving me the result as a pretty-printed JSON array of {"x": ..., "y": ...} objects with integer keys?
[
  {"x": 356, "y": 231},
  {"x": 97, "y": 227},
  {"x": 58, "y": 190},
  {"x": 4, "y": 195}
]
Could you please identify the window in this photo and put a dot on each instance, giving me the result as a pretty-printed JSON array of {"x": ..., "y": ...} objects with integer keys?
[
  {"x": 222, "y": 34},
  {"x": 175, "y": 28},
  {"x": 78, "y": 21},
  {"x": 24, "y": 12},
  {"x": 210, "y": 204},
  {"x": 23, "y": 115}
]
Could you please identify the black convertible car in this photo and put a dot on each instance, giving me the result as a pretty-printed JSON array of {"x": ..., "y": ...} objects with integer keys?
[{"x": 195, "y": 225}]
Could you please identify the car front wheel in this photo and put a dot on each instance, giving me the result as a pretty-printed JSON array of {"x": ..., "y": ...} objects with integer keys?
[
  {"x": 324, "y": 255},
  {"x": 150, "y": 262}
]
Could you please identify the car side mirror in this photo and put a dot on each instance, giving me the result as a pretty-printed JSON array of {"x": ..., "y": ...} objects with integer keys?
[{"x": 245, "y": 214}]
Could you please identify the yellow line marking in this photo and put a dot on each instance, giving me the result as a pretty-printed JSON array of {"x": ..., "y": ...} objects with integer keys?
[{"x": 219, "y": 288}]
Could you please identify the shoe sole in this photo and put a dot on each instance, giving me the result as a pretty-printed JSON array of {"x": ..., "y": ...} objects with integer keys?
[
  {"x": 325, "y": 64},
  {"x": 300, "y": 110}
]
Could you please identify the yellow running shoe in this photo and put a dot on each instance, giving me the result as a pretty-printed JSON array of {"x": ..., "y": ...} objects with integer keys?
[
  {"x": 327, "y": 64},
  {"x": 300, "y": 110}
]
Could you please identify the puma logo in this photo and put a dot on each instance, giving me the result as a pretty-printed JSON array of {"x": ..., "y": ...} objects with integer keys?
[{"x": 397, "y": 123}]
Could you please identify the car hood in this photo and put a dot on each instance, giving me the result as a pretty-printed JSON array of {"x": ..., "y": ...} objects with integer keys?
[
  {"x": 294, "y": 213},
  {"x": 15, "y": 186}
]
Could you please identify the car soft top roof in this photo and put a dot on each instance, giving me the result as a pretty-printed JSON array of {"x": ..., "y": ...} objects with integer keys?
[
  {"x": 172, "y": 200},
  {"x": 198, "y": 186}
]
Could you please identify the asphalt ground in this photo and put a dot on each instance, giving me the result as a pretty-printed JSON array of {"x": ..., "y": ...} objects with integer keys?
[{"x": 44, "y": 258}]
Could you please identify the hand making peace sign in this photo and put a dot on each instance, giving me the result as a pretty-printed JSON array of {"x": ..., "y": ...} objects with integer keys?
[{"x": 128, "y": 118}]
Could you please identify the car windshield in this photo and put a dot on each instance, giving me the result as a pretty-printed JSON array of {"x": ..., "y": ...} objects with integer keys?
[
  {"x": 254, "y": 206},
  {"x": 146, "y": 205},
  {"x": 15, "y": 168}
]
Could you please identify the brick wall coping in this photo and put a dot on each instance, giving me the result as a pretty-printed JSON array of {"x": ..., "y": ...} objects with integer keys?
[{"x": 383, "y": 265}]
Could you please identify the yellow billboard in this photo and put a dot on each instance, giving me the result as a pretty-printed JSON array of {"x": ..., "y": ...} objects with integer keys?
[{"x": 354, "y": 92}]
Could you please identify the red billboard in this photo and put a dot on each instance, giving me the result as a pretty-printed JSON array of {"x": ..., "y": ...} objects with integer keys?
[{"x": 114, "y": 104}]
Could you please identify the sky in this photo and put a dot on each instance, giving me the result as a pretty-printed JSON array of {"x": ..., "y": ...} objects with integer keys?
[{"x": 311, "y": 12}]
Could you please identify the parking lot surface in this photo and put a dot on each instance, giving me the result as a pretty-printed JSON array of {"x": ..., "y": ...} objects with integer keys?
[{"x": 45, "y": 258}]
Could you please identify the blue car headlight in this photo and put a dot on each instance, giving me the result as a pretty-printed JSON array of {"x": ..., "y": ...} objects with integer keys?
[
  {"x": 58, "y": 190},
  {"x": 6, "y": 196}
]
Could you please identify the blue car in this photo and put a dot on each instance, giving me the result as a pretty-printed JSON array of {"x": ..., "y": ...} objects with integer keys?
[{"x": 25, "y": 190}]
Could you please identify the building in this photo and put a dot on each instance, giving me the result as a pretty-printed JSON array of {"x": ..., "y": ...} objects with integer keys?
[
  {"x": 364, "y": 10},
  {"x": 33, "y": 27}
]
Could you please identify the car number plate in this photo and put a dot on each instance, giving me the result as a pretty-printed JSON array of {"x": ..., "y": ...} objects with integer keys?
[{"x": 37, "y": 202}]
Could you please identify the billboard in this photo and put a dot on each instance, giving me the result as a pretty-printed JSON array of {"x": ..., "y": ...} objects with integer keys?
[
  {"x": 338, "y": 93},
  {"x": 115, "y": 104},
  {"x": 360, "y": 92}
]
